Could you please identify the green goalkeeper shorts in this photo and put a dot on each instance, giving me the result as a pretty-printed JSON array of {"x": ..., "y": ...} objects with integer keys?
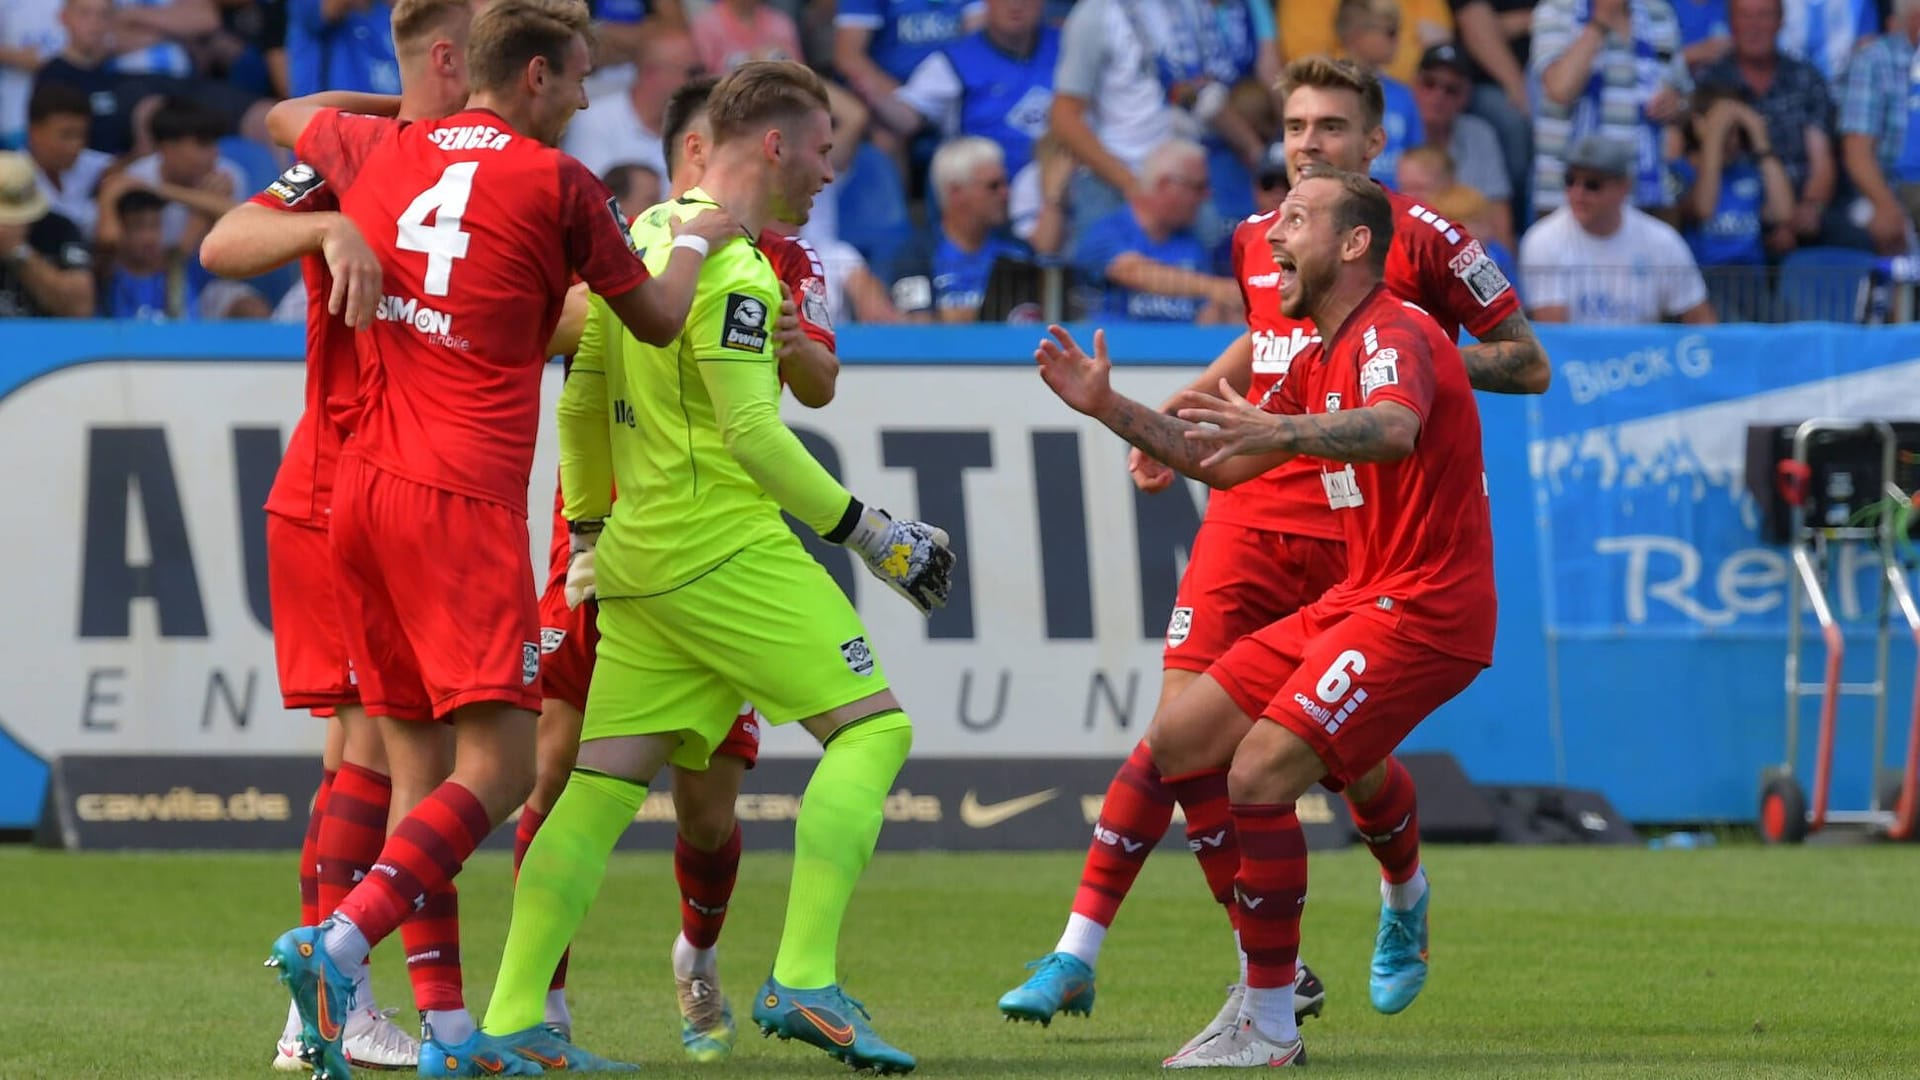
[{"x": 767, "y": 626}]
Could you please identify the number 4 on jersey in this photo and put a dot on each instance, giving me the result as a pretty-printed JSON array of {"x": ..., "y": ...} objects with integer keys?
[{"x": 443, "y": 241}]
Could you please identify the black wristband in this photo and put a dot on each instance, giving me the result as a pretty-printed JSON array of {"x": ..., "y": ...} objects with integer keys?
[{"x": 839, "y": 533}]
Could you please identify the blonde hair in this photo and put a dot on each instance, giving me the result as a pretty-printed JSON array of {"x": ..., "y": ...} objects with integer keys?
[
  {"x": 508, "y": 34},
  {"x": 1326, "y": 73},
  {"x": 416, "y": 21},
  {"x": 760, "y": 94}
]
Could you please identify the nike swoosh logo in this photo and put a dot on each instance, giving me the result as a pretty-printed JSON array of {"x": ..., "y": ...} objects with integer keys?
[
  {"x": 841, "y": 1035},
  {"x": 978, "y": 815},
  {"x": 538, "y": 1058}
]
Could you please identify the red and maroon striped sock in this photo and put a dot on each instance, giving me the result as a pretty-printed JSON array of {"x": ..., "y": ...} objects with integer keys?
[
  {"x": 706, "y": 880},
  {"x": 1133, "y": 817}
]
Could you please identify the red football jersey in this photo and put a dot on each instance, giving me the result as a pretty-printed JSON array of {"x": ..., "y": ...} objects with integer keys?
[
  {"x": 478, "y": 229},
  {"x": 303, "y": 487},
  {"x": 1419, "y": 540},
  {"x": 799, "y": 268},
  {"x": 1441, "y": 267},
  {"x": 1433, "y": 262},
  {"x": 1286, "y": 499}
]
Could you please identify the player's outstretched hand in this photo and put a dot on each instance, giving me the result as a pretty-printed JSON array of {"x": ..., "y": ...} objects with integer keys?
[
  {"x": 1083, "y": 382},
  {"x": 581, "y": 586},
  {"x": 1232, "y": 425},
  {"x": 787, "y": 335},
  {"x": 912, "y": 557},
  {"x": 356, "y": 274},
  {"x": 1148, "y": 475},
  {"x": 713, "y": 226}
]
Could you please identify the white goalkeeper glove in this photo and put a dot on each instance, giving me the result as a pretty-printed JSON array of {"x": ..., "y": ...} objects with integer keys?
[
  {"x": 910, "y": 556},
  {"x": 580, "y": 586}
]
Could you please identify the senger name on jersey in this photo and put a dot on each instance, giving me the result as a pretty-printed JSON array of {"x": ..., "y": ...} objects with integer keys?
[
  {"x": 434, "y": 325},
  {"x": 471, "y": 137}
]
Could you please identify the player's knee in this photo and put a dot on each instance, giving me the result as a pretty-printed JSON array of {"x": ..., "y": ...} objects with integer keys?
[{"x": 706, "y": 825}]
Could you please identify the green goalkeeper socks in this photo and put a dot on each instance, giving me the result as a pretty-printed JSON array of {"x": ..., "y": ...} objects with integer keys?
[
  {"x": 558, "y": 881},
  {"x": 839, "y": 823}
]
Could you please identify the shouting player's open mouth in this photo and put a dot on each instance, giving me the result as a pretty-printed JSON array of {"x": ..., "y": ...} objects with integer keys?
[{"x": 1289, "y": 273}]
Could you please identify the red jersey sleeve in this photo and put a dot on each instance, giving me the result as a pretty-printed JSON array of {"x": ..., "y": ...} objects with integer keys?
[
  {"x": 1397, "y": 366},
  {"x": 336, "y": 143},
  {"x": 300, "y": 188},
  {"x": 805, "y": 276},
  {"x": 1463, "y": 285},
  {"x": 598, "y": 246},
  {"x": 1239, "y": 260}
]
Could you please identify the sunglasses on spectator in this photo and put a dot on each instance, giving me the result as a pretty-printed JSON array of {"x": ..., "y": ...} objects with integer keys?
[{"x": 1589, "y": 181}]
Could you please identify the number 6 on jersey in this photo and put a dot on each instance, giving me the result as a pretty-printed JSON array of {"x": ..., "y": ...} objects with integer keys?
[{"x": 443, "y": 241}]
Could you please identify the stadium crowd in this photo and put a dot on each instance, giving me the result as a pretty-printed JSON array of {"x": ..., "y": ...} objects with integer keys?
[{"x": 1623, "y": 161}]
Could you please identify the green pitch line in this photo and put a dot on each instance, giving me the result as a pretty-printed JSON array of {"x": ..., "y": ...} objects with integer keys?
[{"x": 1732, "y": 962}]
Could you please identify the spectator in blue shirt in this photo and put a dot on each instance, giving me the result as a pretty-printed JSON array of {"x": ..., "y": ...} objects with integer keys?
[
  {"x": 878, "y": 43},
  {"x": 1730, "y": 188},
  {"x": 1705, "y": 35},
  {"x": 341, "y": 45},
  {"x": 969, "y": 179},
  {"x": 1880, "y": 129},
  {"x": 996, "y": 83},
  {"x": 1369, "y": 32},
  {"x": 1154, "y": 265},
  {"x": 141, "y": 280}
]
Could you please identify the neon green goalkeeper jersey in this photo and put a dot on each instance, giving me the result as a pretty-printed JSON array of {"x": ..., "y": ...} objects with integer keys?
[{"x": 689, "y": 433}]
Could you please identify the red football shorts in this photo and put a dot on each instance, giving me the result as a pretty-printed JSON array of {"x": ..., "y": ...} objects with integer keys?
[
  {"x": 1350, "y": 684},
  {"x": 1239, "y": 580},
  {"x": 568, "y": 638},
  {"x": 309, "y": 648},
  {"x": 436, "y": 594}
]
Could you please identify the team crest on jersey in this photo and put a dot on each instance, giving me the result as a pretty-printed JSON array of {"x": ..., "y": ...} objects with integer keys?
[
  {"x": 529, "y": 663},
  {"x": 290, "y": 188},
  {"x": 813, "y": 303},
  {"x": 551, "y": 638},
  {"x": 1484, "y": 278},
  {"x": 1382, "y": 370},
  {"x": 859, "y": 658},
  {"x": 1179, "y": 627},
  {"x": 745, "y": 327}
]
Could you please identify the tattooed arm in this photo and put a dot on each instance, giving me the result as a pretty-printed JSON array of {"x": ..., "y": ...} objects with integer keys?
[
  {"x": 1083, "y": 382},
  {"x": 1237, "y": 427},
  {"x": 1509, "y": 359}
]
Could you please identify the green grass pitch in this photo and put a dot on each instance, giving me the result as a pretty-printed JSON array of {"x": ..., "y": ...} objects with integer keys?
[{"x": 1732, "y": 962}]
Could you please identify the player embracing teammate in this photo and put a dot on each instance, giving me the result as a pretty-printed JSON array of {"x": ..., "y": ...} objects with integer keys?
[
  {"x": 478, "y": 224},
  {"x": 1268, "y": 548}
]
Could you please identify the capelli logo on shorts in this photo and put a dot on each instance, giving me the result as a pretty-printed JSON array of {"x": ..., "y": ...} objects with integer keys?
[
  {"x": 529, "y": 663},
  {"x": 1179, "y": 626},
  {"x": 859, "y": 658},
  {"x": 551, "y": 638}
]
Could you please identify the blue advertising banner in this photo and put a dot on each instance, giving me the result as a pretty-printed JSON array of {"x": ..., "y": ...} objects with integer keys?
[{"x": 1642, "y": 617}]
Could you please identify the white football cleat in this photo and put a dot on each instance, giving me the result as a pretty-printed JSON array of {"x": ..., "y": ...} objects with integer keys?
[
  {"x": 286, "y": 1053},
  {"x": 373, "y": 1041},
  {"x": 1225, "y": 1019},
  {"x": 1241, "y": 1047}
]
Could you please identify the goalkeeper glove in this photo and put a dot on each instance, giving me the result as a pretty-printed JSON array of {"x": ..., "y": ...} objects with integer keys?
[
  {"x": 910, "y": 556},
  {"x": 580, "y": 583}
]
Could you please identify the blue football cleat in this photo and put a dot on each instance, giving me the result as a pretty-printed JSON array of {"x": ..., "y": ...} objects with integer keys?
[
  {"x": 829, "y": 1019},
  {"x": 322, "y": 994},
  {"x": 1061, "y": 982},
  {"x": 554, "y": 1052},
  {"x": 1399, "y": 957},
  {"x": 481, "y": 1055}
]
